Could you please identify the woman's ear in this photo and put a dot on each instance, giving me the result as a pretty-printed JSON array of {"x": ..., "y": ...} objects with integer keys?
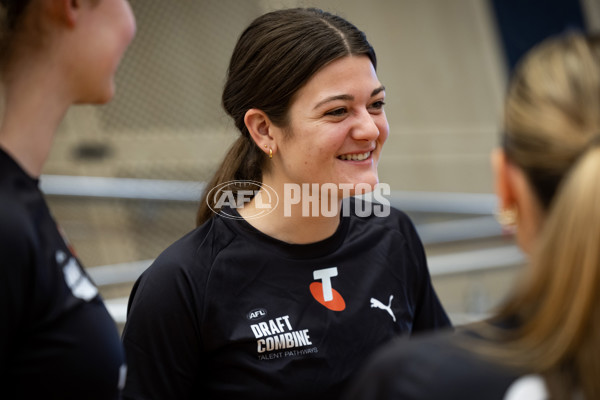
[
  {"x": 260, "y": 127},
  {"x": 503, "y": 185},
  {"x": 64, "y": 11}
]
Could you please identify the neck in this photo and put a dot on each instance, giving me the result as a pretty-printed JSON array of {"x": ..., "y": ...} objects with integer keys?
[
  {"x": 35, "y": 103},
  {"x": 290, "y": 222}
]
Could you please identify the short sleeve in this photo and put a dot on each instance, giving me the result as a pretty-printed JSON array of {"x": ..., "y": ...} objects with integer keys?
[
  {"x": 161, "y": 336},
  {"x": 429, "y": 312}
]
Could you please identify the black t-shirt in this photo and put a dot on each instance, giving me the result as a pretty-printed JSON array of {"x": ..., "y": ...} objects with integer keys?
[
  {"x": 227, "y": 312},
  {"x": 440, "y": 366},
  {"x": 57, "y": 340}
]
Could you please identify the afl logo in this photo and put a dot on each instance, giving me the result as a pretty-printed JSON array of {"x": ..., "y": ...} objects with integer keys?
[
  {"x": 236, "y": 194},
  {"x": 256, "y": 314}
]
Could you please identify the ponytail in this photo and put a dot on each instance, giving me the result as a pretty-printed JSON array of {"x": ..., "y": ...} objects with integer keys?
[
  {"x": 557, "y": 305},
  {"x": 243, "y": 161}
]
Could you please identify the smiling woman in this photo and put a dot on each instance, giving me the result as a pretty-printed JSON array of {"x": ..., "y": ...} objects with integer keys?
[
  {"x": 335, "y": 132},
  {"x": 336, "y": 121},
  {"x": 255, "y": 307}
]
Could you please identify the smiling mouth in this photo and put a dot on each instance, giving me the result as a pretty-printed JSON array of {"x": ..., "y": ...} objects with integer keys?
[{"x": 355, "y": 157}]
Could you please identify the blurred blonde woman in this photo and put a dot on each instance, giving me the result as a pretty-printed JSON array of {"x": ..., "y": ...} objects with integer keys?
[
  {"x": 57, "y": 340},
  {"x": 544, "y": 342}
]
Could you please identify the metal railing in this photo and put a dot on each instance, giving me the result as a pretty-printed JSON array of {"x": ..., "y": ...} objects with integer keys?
[{"x": 476, "y": 222}]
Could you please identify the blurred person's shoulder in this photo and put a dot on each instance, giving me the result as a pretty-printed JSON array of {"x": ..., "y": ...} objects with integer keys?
[{"x": 432, "y": 366}]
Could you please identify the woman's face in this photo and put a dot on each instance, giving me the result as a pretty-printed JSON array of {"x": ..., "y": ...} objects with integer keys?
[
  {"x": 337, "y": 127},
  {"x": 108, "y": 26}
]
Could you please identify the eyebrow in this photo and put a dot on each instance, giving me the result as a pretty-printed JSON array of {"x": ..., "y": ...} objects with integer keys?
[{"x": 375, "y": 92}]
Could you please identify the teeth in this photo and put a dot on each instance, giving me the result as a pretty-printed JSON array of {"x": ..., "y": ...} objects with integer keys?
[{"x": 355, "y": 157}]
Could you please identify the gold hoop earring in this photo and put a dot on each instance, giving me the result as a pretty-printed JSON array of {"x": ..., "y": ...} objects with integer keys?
[{"x": 270, "y": 152}]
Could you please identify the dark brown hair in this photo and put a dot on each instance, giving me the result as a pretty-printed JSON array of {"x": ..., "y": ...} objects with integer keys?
[
  {"x": 274, "y": 57},
  {"x": 13, "y": 9}
]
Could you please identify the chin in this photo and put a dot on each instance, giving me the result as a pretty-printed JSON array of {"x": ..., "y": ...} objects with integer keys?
[
  {"x": 105, "y": 97},
  {"x": 362, "y": 187},
  {"x": 369, "y": 183},
  {"x": 100, "y": 96}
]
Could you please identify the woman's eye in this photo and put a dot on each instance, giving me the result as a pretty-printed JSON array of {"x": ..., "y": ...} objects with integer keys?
[
  {"x": 378, "y": 105},
  {"x": 338, "y": 112}
]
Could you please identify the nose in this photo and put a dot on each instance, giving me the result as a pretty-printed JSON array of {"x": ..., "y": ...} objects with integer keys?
[
  {"x": 366, "y": 127},
  {"x": 131, "y": 22}
]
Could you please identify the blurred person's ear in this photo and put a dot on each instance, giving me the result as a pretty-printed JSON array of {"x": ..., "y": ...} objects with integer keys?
[
  {"x": 503, "y": 184},
  {"x": 64, "y": 12},
  {"x": 516, "y": 194}
]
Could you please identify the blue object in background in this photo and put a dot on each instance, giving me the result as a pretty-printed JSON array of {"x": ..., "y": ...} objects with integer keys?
[{"x": 524, "y": 23}]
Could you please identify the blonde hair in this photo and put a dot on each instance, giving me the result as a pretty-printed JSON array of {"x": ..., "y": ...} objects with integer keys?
[{"x": 552, "y": 132}]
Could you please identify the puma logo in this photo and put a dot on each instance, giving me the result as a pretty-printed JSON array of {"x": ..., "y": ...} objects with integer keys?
[{"x": 377, "y": 304}]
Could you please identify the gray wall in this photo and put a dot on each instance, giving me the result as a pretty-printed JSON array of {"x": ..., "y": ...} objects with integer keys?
[{"x": 438, "y": 59}]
